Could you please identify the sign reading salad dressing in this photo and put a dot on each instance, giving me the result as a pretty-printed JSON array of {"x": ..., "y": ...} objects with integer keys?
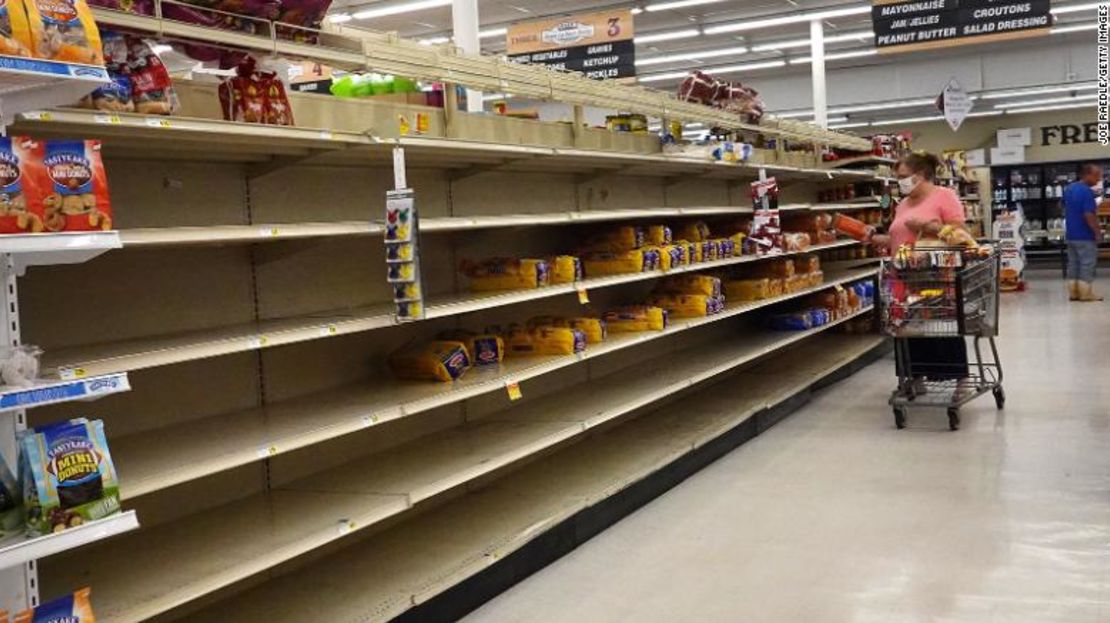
[
  {"x": 598, "y": 45},
  {"x": 904, "y": 25}
]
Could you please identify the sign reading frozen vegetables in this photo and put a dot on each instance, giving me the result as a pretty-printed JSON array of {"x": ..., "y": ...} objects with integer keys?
[
  {"x": 598, "y": 45},
  {"x": 902, "y": 25}
]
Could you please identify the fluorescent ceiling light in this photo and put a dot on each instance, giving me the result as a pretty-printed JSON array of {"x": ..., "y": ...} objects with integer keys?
[
  {"x": 1016, "y": 111},
  {"x": 339, "y": 18},
  {"x": 908, "y": 120},
  {"x": 667, "y": 36},
  {"x": 842, "y": 126},
  {"x": 1049, "y": 100},
  {"x": 804, "y": 43},
  {"x": 1039, "y": 91},
  {"x": 756, "y": 24},
  {"x": 686, "y": 56},
  {"x": 1075, "y": 8},
  {"x": 834, "y": 57},
  {"x": 636, "y": 10},
  {"x": 1059, "y": 30},
  {"x": 660, "y": 77},
  {"x": 985, "y": 113},
  {"x": 397, "y": 9},
  {"x": 493, "y": 32},
  {"x": 677, "y": 4},
  {"x": 881, "y": 106},
  {"x": 434, "y": 40},
  {"x": 745, "y": 67}
]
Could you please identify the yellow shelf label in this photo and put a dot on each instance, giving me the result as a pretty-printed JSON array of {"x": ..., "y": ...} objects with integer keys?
[
  {"x": 513, "y": 387},
  {"x": 583, "y": 295}
]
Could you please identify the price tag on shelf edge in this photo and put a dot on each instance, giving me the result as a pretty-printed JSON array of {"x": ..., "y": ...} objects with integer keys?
[
  {"x": 346, "y": 526},
  {"x": 583, "y": 295},
  {"x": 513, "y": 388},
  {"x": 329, "y": 331},
  {"x": 69, "y": 374},
  {"x": 157, "y": 122},
  {"x": 266, "y": 452},
  {"x": 369, "y": 420}
]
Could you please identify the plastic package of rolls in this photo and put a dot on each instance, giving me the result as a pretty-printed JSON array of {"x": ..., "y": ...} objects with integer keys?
[
  {"x": 544, "y": 340},
  {"x": 564, "y": 269},
  {"x": 748, "y": 289},
  {"x": 688, "y": 305},
  {"x": 635, "y": 318},
  {"x": 780, "y": 268},
  {"x": 482, "y": 348},
  {"x": 634, "y": 261},
  {"x": 592, "y": 328},
  {"x": 441, "y": 360},
  {"x": 506, "y": 274},
  {"x": 691, "y": 284},
  {"x": 658, "y": 235}
]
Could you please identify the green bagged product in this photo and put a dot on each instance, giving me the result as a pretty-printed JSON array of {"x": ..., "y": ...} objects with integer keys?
[{"x": 68, "y": 476}]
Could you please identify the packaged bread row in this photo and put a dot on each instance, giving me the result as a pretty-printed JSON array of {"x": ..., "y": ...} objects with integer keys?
[
  {"x": 824, "y": 307},
  {"x": 635, "y": 249}
]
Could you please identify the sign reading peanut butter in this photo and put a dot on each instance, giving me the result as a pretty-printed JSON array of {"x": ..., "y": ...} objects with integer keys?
[
  {"x": 904, "y": 25},
  {"x": 597, "y": 44}
]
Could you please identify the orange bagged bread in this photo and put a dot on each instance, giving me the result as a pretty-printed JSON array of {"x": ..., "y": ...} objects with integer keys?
[{"x": 64, "y": 30}]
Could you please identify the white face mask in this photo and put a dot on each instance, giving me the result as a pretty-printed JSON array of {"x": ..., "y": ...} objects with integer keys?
[{"x": 907, "y": 184}]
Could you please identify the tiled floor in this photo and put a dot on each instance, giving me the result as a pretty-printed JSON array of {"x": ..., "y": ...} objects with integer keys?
[{"x": 836, "y": 516}]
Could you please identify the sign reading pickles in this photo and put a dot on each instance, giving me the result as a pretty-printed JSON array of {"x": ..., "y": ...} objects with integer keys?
[
  {"x": 598, "y": 45},
  {"x": 905, "y": 25},
  {"x": 402, "y": 256}
]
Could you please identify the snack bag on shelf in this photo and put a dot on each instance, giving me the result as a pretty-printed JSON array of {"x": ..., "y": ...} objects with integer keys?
[
  {"x": 691, "y": 284},
  {"x": 624, "y": 238},
  {"x": 688, "y": 305},
  {"x": 544, "y": 340},
  {"x": 68, "y": 476},
  {"x": 765, "y": 237},
  {"x": 114, "y": 96},
  {"x": 635, "y": 261},
  {"x": 819, "y": 316},
  {"x": 658, "y": 235},
  {"x": 738, "y": 244},
  {"x": 151, "y": 88},
  {"x": 15, "y": 32},
  {"x": 64, "y": 30},
  {"x": 795, "y": 241},
  {"x": 70, "y": 175},
  {"x": 780, "y": 268},
  {"x": 277, "y": 109},
  {"x": 635, "y": 318},
  {"x": 21, "y": 209},
  {"x": 853, "y": 228},
  {"x": 794, "y": 321},
  {"x": 73, "y": 608},
  {"x": 692, "y": 231},
  {"x": 725, "y": 248},
  {"x": 709, "y": 251},
  {"x": 441, "y": 360},
  {"x": 564, "y": 268},
  {"x": 506, "y": 274},
  {"x": 481, "y": 348},
  {"x": 747, "y": 289},
  {"x": 592, "y": 328},
  {"x": 807, "y": 263}
]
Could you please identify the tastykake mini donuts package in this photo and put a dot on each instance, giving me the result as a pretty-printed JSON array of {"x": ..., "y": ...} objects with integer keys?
[
  {"x": 70, "y": 178},
  {"x": 21, "y": 209},
  {"x": 64, "y": 30}
]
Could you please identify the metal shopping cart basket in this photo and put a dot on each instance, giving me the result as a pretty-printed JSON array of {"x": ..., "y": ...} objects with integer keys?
[{"x": 941, "y": 292}]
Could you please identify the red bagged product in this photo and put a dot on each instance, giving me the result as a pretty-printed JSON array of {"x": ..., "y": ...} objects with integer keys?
[
  {"x": 21, "y": 208},
  {"x": 255, "y": 97},
  {"x": 70, "y": 177},
  {"x": 853, "y": 228},
  {"x": 276, "y": 108},
  {"x": 151, "y": 87}
]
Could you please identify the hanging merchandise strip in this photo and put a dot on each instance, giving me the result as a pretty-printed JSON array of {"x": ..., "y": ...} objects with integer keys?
[{"x": 402, "y": 250}]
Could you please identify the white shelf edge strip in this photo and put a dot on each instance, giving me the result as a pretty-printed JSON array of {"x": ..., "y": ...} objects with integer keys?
[
  {"x": 497, "y": 382},
  {"x": 54, "y": 392},
  {"x": 20, "y": 550},
  {"x": 356, "y": 324}
]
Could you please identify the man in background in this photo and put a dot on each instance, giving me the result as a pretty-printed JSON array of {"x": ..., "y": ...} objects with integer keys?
[{"x": 1083, "y": 233}]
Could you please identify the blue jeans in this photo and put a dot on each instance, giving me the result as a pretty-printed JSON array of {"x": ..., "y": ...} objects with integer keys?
[{"x": 1082, "y": 260}]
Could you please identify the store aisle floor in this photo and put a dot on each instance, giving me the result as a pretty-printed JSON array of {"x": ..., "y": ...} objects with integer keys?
[{"x": 834, "y": 515}]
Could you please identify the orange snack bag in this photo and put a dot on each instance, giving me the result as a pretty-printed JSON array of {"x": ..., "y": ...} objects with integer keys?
[
  {"x": 21, "y": 210},
  {"x": 853, "y": 228},
  {"x": 64, "y": 30},
  {"x": 15, "y": 33},
  {"x": 71, "y": 182}
]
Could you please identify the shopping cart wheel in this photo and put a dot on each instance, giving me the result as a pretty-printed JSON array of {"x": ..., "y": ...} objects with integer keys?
[
  {"x": 999, "y": 396},
  {"x": 954, "y": 419},
  {"x": 899, "y": 418}
]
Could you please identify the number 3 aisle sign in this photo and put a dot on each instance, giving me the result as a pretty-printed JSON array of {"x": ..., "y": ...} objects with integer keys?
[{"x": 597, "y": 44}]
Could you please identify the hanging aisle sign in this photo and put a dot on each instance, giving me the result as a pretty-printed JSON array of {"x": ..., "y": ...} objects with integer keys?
[
  {"x": 901, "y": 25},
  {"x": 955, "y": 104},
  {"x": 597, "y": 44}
]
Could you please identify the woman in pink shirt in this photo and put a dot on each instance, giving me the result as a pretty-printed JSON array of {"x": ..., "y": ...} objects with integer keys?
[{"x": 925, "y": 208}]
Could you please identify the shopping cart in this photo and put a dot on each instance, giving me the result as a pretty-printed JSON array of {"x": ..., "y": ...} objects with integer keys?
[{"x": 935, "y": 293}]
